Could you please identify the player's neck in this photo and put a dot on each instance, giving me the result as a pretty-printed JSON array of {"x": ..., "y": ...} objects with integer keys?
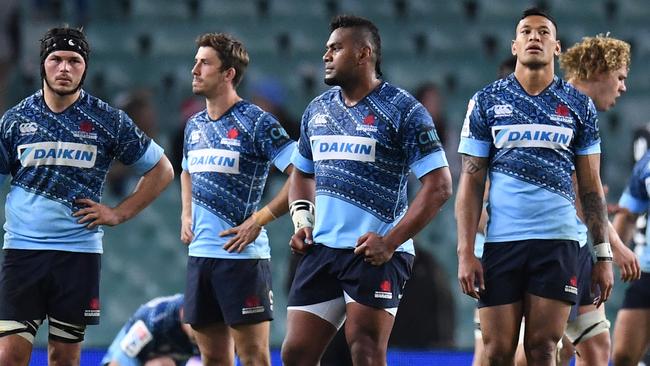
[
  {"x": 59, "y": 103},
  {"x": 534, "y": 81},
  {"x": 583, "y": 86},
  {"x": 352, "y": 94},
  {"x": 220, "y": 104}
]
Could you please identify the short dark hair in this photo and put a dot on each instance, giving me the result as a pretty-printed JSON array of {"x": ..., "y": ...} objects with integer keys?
[
  {"x": 538, "y": 11},
  {"x": 231, "y": 52},
  {"x": 352, "y": 21}
]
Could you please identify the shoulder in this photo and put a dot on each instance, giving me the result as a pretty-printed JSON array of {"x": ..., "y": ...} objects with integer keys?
[{"x": 100, "y": 108}]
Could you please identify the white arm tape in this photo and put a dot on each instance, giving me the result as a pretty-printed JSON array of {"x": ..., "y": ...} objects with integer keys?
[
  {"x": 603, "y": 252},
  {"x": 302, "y": 214}
]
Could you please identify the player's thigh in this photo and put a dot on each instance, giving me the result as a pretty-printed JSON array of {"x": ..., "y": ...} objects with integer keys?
[
  {"x": 500, "y": 327},
  {"x": 367, "y": 323},
  {"x": 545, "y": 319},
  {"x": 308, "y": 334},
  {"x": 251, "y": 337},
  {"x": 214, "y": 340}
]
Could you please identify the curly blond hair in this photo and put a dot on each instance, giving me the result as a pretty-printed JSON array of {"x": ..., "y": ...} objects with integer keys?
[{"x": 594, "y": 55}]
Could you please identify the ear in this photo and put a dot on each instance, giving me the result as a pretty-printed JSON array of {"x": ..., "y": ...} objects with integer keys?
[
  {"x": 558, "y": 48},
  {"x": 513, "y": 48},
  {"x": 365, "y": 54},
  {"x": 230, "y": 74}
]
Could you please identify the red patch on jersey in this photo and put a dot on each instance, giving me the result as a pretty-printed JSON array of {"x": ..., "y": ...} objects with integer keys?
[
  {"x": 384, "y": 286},
  {"x": 233, "y": 133},
  {"x": 562, "y": 110},
  {"x": 252, "y": 301},
  {"x": 369, "y": 119},
  {"x": 94, "y": 304},
  {"x": 85, "y": 126}
]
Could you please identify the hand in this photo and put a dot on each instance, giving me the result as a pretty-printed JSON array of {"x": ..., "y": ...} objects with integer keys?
[
  {"x": 602, "y": 277},
  {"x": 244, "y": 235},
  {"x": 375, "y": 250},
  {"x": 626, "y": 261},
  {"x": 301, "y": 240},
  {"x": 96, "y": 214},
  {"x": 470, "y": 276},
  {"x": 186, "y": 230}
]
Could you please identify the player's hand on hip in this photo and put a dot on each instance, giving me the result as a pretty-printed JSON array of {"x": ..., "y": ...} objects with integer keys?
[
  {"x": 186, "y": 230},
  {"x": 95, "y": 214},
  {"x": 627, "y": 262},
  {"x": 470, "y": 276},
  {"x": 244, "y": 234},
  {"x": 301, "y": 240},
  {"x": 374, "y": 249},
  {"x": 602, "y": 277}
]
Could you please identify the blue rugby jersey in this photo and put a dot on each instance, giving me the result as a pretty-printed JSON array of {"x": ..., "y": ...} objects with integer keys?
[
  {"x": 361, "y": 157},
  {"x": 56, "y": 158},
  {"x": 636, "y": 198},
  {"x": 228, "y": 161},
  {"x": 531, "y": 143},
  {"x": 162, "y": 318}
]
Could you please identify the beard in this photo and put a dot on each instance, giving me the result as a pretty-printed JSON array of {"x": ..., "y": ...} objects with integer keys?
[{"x": 61, "y": 91}]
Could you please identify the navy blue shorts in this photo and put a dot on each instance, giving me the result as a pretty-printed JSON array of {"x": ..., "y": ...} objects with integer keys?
[
  {"x": 637, "y": 296},
  {"x": 585, "y": 296},
  {"x": 229, "y": 291},
  {"x": 323, "y": 274},
  {"x": 39, "y": 283},
  {"x": 545, "y": 268}
]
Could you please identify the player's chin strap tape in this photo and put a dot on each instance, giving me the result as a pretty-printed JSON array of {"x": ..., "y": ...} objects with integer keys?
[
  {"x": 302, "y": 214},
  {"x": 66, "y": 332},
  {"x": 586, "y": 326},
  {"x": 25, "y": 328}
]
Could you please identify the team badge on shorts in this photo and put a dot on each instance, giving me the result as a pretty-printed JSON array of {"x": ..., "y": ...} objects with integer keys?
[
  {"x": 384, "y": 290},
  {"x": 572, "y": 287}
]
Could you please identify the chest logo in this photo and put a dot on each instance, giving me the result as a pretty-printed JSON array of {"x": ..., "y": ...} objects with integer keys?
[
  {"x": 213, "y": 160},
  {"x": 57, "y": 153},
  {"x": 334, "y": 147}
]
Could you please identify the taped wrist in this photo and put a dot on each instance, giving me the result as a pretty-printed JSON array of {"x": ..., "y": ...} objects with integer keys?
[
  {"x": 263, "y": 216},
  {"x": 603, "y": 252},
  {"x": 302, "y": 214}
]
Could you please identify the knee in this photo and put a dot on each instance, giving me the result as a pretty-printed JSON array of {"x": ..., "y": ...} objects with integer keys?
[
  {"x": 211, "y": 358},
  {"x": 294, "y": 354},
  {"x": 254, "y": 355},
  {"x": 499, "y": 352},
  {"x": 366, "y": 351},
  {"x": 623, "y": 359},
  {"x": 11, "y": 358},
  {"x": 541, "y": 350}
]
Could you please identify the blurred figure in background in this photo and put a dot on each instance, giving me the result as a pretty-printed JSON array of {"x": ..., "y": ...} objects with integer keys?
[
  {"x": 155, "y": 335},
  {"x": 9, "y": 46}
]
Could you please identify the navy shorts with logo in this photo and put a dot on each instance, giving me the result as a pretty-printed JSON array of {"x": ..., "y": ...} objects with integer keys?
[
  {"x": 585, "y": 296},
  {"x": 545, "y": 268},
  {"x": 230, "y": 291},
  {"x": 323, "y": 274},
  {"x": 39, "y": 283},
  {"x": 637, "y": 296}
]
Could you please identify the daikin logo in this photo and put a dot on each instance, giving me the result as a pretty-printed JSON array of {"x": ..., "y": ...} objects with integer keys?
[
  {"x": 58, "y": 153},
  {"x": 336, "y": 147},
  {"x": 533, "y": 135},
  {"x": 213, "y": 160}
]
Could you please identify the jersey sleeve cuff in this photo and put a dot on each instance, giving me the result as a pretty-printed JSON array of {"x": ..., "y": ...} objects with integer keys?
[
  {"x": 149, "y": 159},
  {"x": 633, "y": 204},
  {"x": 300, "y": 162},
  {"x": 589, "y": 150},
  {"x": 283, "y": 158},
  {"x": 474, "y": 147},
  {"x": 428, "y": 163}
]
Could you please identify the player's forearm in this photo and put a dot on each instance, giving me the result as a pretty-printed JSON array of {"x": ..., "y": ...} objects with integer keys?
[
  {"x": 302, "y": 186},
  {"x": 186, "y": 194},
  {"x": 435, "y": 191},
  {"x": 592, "y": 197},
  {"x": 148, "y": 188},
  {"x": 625, "y": 224},
  {"x": 469, "y": 202},
  {"x": 279, "y": 205}
]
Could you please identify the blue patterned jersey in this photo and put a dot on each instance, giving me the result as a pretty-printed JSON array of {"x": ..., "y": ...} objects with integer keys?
[
  {"x": 229, "y": 160},
  {"x": 361, "y": 157},
  {"x": 163, "y": 335},
  {"x": 56, "y": 158},
  {"x": 531, "y": 143},
  {"x": 636, "y": 198}
]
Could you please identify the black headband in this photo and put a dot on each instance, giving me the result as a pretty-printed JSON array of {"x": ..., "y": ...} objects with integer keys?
[{"x": 64, "y": 39}]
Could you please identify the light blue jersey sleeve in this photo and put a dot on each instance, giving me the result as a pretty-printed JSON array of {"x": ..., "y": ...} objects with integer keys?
[
  {"x": 588, "y": 135},
  {"x": 475, "y": 137},
  {"x": 424, "y": 151},
  {"x": 134, "y": 148},
  {"x": 302, "y": 157}
]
